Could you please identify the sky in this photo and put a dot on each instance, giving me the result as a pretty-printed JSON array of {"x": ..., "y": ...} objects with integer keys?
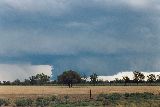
[{"x": 102, "y": 36}]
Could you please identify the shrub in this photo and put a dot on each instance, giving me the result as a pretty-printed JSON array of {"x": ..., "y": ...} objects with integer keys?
[
  {"x": 147, "y": 95},
  {"x": 42, "y": 101},
  {"x": 105, "y": 102},
  {"x": 84, "y": 104},
  {"x": 126, "y": 95},
  {"x": 66, "y": 97},
  {"x": 101, "y": 97},
  {"x": 144, "y": 95},
  {"x": 1, "y": 102},
  {"x": 107, "y": 98},
  {"x": 23, "y": 102},
  {"x": 4, "y": 102},
  {"x": 81, "y": 103},
  {"x": 136, "y": 96},
  {"x": 114, "y": 96},
  {"x": 53, "y": 98}
]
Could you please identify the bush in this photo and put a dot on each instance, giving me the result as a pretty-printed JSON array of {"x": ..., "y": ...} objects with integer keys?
[
  {"x": 101, "y": 97},
  {"x": 66, "y": 97},
  {"x": 105, "y": 102},
  {"x": 126, "y": 95},
  {"x": 147, "y": 95},
  {"x": 114, "y": 96},
  {"x": 53, "y": 98},
  {"x": 42, "y": 101},
  {"x": 84, "y": 104},
  {"x": 4, "y": 102},
  {"x": 1, "y": 102},
  {"x": 81, "y": 103},
  {"x": 23, "y": 102},
  {"x": 144, "y": 95}
]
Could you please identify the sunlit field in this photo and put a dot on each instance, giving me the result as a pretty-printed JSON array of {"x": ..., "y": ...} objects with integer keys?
[
  {"x": 59, "y": 90},
  {"x": 55, "y": 96}
]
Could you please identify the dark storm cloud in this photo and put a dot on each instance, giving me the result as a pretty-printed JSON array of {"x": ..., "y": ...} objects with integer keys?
[{"x": 90, "y": 36}]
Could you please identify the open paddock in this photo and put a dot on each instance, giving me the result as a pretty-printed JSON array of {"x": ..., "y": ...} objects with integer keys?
[{"x": 33, "y": 91}]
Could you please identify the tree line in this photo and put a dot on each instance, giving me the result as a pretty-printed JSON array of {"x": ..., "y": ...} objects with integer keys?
[
  {"x": 71, "y": 77},
  {"x": 39, "y": 79}
]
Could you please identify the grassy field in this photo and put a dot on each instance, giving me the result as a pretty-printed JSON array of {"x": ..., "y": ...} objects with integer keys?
[
  {"x": 116, "y": 96},
  {"x": 18, "y": 91}
]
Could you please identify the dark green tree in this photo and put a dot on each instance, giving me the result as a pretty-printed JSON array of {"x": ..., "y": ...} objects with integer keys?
[
  {"x": 33, "y": 80},
  {"x": 158, "y": 79},
  {"x": 39, "y": 79},
  {"x": 26, "y": 82},
  {"x": 138, "y": 77},
  {"x": 69, "y": 77},
  {"x": 151, "y": 78},
  {"x": 94, "y": 78},
  {"x": 6, "y": 83},
  {"x": 126, "y": 79},
  {"x": 118, "y": 81},
  {"x": 42, "y": 79},
  {"x": 84, "y": 78},
  {"x": 16, "y": 82}
]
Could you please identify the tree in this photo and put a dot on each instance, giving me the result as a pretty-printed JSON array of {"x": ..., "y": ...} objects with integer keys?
[
  {"x": 16, "y": 82},
  {"x": 151, "y": 78},
  {"x": 69, "y": 77},
  {"x": 42, "y": 78},
  {"x": 26, "y": 82},
  {"x": 6, "y": 83},
  {"x": 84, "y": 78},
  {"x": 138, "y": 76},
  {"x": 118, "y": 81},
  {"x": 158, "y": 79},
  {"x": 94, "y": 78},
  {"x": 32, "y": 80},
  {"x": 126, "y": 79},
  {"x": 39, "y": 79}
]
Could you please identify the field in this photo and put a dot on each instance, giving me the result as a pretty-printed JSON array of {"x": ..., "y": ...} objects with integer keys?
[
  {"x": 62, "y": 96},
  {"x": 25, "y": 91}
]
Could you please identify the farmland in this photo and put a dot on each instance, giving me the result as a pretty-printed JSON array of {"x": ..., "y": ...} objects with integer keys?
[
  {"x": 10, "y": 91},
  {"x": 80, "y": 95}
]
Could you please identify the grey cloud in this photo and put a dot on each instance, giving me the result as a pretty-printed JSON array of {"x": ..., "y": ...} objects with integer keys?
[{"x": 98, "y": 36}]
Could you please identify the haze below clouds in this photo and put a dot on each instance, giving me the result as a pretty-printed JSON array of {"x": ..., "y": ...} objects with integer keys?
[
  {"x": 101, "y": 36},
  {"x": 11, "y": 72}
]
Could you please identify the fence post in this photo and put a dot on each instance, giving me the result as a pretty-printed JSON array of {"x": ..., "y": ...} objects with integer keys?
[{"x": 90, "y": 94}]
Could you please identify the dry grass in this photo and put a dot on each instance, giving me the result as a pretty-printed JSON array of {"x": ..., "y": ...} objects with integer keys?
[
  {"x": 75, "y": 94},
  {"x": 77, "y": 89},
  {"x": 19, "y": 91}
]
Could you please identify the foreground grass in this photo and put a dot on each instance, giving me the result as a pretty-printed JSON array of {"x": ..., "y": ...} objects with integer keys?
[
  {"x": 102, "y": 100},
  {"x": 78, "y": 96}
]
